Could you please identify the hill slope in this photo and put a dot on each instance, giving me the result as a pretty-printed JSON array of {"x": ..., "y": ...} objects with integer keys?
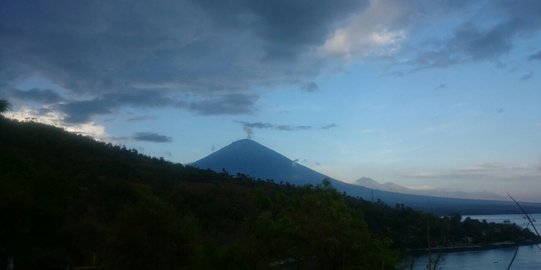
[{"x": 70, "y": 201}]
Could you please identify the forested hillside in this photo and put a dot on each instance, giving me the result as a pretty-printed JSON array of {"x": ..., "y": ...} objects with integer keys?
[{"x": 68, "y": 200}]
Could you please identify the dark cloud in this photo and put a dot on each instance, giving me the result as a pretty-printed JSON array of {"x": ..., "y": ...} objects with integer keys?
[
  {"x": 227, "y": 104},
  {"x": 46, "y": 96},
  {"x": 431, "y": 59},
  {"x": 82, "y": 111},
  {"x": 329, "y": 126},
  {"x": 489, "y": 34},
  {"x": 285, "y": 28},
  {"x": 441, "y": 86},
  {"x": 250, "y": 126},
  {"x": 258, "y": 125},
  {"x": 527, "y": 76},
  {"x": 142, "y": 118},
  {"x": 151, "y": 137},
  {"x": 470, "y": 43},
  {"x": 215, "y": 52},
  {"x": 535, "y": 56},
  {"x": 262, "y": 125},
  {"x": 480, "y": 44},
  {"x": 310, "y": 87},
  {"x": 292, "y": 128}
]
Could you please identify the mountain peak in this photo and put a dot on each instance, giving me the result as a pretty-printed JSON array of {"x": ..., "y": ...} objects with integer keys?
[
  {"x": 252, "y": 158},
  {"x": 247, "y": 143},
  {"x": 247, "y": 140}
]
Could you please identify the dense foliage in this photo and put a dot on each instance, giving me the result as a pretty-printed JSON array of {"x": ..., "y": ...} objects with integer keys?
[
  {"x": 69, "y": 200},
  {"x": 410, "y": 230}
]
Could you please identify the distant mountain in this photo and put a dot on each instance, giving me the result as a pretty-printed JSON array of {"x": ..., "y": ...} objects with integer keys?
[
  {"x": 253, "y": 159},
  {"x": 392, "y": 187},
  {"x": 373, "y": 184}
]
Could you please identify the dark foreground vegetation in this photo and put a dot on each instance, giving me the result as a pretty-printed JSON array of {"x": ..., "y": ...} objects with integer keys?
[{"x": 67, "y": 200}]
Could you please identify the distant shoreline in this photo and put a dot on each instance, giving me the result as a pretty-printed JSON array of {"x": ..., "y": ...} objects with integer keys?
[{"x": 419, "y": 252}]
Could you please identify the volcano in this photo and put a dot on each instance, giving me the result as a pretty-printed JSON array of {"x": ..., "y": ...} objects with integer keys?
[{"x": 253, "y": 159}]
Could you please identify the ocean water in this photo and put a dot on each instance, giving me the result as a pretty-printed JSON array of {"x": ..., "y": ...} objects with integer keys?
[{"x": 528, "y": 257}]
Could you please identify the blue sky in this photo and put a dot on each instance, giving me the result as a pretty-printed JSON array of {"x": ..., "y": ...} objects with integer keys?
[{"x": 426, "y": 94}]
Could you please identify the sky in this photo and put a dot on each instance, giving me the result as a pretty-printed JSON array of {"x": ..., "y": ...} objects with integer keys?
[{"x": 427, "y": 94}]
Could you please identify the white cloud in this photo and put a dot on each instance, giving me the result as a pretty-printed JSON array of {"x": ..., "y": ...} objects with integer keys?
[
  {"x": 494, "y": 170},
  {"x": 56, "y": 118},
  {"x": 423, "y": 175},
  {"x": 421, "y": 187},
  {"x": 523, "y": 180},
  {"x": 375, "y": 31}
]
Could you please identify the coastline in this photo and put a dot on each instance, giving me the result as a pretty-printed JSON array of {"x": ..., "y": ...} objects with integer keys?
[{"x": 498, "y": 245}]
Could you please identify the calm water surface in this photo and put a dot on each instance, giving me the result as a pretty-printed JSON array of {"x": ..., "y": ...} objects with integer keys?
[{"x": 528, "y": 257}]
